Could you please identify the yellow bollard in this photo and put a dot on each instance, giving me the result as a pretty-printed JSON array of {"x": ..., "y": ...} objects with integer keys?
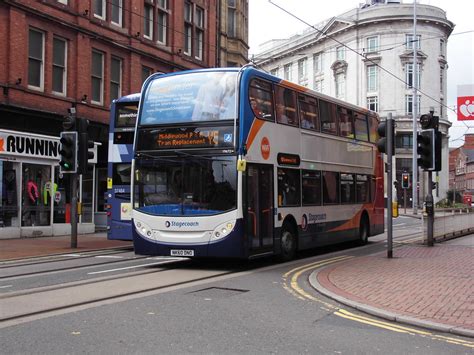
[{"x": 394, "y": 209}]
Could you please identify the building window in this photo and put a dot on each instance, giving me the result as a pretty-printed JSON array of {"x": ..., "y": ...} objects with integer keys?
[
  {"x": 409, "y": 75},
  {"x": 318, "y": 62},
  {"x": 409, "y": 104},
  {"x": 274, "y": 71},
  {"x": 115, "y": 78},
  {"x": 340, "y": 86},
  {"x": 373, "y": 103},
  {"x": 146, "y": 72},
  {"x": 372, "y": 78},
  {"x": 372, "y": 44},
  {"x": 188, "y": 27},
  {"x": 148, "y": 21},
  {"x": 99, "y": 9},
  {"x": 441, "y": 47},
  {"x": 59, "y": 65},
  {"x": 117, "y": 12},
  {"x": 302, "y": 72},
  {"x": 97, "y": 77},
  {"x": 404, "y": 141},
  {"x": 340, "y": 53},
  {"x": 231, "y": 19},
  {"x": 36, "y": 59},
  {"x": 63, "y": 2},
  {"x": 410, "y": 41},
  {"x": 319, "y": 85},
  {"x": 441, "y": 80},
  {"x": 441, "y": 106},
  {"x": 162, "y": 22},
  {"x": 287, "y": 72},
  {"x": 199, "y": 22}
]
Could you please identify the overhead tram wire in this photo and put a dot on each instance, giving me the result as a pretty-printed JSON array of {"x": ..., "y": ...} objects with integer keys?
[{"x": 359, "y": 54}]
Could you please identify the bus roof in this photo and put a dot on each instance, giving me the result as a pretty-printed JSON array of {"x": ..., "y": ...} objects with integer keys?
[{"x": 128, "y": 98}]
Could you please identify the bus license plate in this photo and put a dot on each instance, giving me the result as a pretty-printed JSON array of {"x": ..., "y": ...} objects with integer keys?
[{"x": 182, "y": 252}]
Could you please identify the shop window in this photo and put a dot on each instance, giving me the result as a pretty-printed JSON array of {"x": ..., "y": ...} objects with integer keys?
[
  {"x": 330, "y": 187},
  {"x": 288, "y": 187},
  {"x": 87, "y": 197},
  {"x": 309, "y": 113},
  {"x": 61, "y": 197},
  {"x": 311, "y": 185},
  {"x": 347, "y": 188},
  {"x": 286, "y": 106},
  {"x": 36, "y": 202},
  {"x": 9, "y": 188}
]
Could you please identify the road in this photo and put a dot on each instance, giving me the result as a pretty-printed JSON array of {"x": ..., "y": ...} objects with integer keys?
[{"x": 115, "y": 302}]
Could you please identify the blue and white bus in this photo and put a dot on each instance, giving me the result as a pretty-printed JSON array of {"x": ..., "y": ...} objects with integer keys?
[
  {"x": 241, "y": 164},
  {"x": 123, "y": 117}
]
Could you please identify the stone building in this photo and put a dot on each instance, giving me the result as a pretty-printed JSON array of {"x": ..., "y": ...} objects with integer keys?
[{"x": 365, "y": 56}]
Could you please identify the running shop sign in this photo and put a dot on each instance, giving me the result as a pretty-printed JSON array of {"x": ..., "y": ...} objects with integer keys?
[{"x": 28, "y": 145}]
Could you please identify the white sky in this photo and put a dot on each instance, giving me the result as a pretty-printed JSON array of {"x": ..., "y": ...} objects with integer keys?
[{"x": 266, "y": 22}]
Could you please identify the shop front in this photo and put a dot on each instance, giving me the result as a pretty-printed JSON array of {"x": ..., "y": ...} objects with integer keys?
[{"x": 34, "y": 199}]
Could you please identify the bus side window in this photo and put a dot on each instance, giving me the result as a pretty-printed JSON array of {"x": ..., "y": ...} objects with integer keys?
[
  {"x": 261, "y": 99},
  {"x": 373, "y": 123},
  {"x": 360, "y": 125},
  {"x": 345, "y": 122},
  {"x": 311, "y": 185},
  {"x": 288, "y": 187},
  {"x": 330, "y": 187},
  {"x": 309, "y": 114},
  {"x": 347, "y": 188},
  {"x": 328, "y": 117},
  {"x": 286, "y": 106},
  {"x": 362, "y": 189}
]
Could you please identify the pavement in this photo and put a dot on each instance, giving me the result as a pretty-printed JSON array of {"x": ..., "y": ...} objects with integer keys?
[
  {"x": 430, "y": 287},
  {"x": 30, "y": 247}
]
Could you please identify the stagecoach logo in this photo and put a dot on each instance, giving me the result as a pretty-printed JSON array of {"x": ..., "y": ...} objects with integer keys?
[
  {"x": 181, "y": 224},
  {"x": 28, "y": 145},
  {"x": 265, "y": 148}
]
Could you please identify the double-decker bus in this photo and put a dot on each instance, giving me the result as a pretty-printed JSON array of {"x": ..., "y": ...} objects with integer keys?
[
  {"x": 123, "y": 117},
  {"x": 241, "y": 164}
]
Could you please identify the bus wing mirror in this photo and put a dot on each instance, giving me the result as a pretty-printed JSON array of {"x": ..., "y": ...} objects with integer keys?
[{"x": 241, "y": 165}]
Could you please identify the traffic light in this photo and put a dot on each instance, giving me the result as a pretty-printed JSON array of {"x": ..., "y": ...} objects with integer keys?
[
  {"x": 84, "y": 145},
  {"x": 434, "y": 185},
  {"x": 405, "y": 181},
  {"x": 437, "y": 152},
  {"x": 426, "y": 149},
  {"x": 382, "y": 142},
  {"x": 68, "y": 152}
]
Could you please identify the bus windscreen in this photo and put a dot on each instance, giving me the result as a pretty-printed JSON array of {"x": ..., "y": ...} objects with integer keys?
[
  {"x": 204, "y": 96},
  {"x": 126, "y": 115}
]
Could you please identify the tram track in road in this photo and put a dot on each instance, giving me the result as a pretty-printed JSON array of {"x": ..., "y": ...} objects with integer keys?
[
  {"x": 25, "y": 306},
  {"x": 37, "y": 260}
]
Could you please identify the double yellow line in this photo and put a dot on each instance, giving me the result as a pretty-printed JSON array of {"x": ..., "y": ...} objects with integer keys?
[{"x": 292, "y": 276}]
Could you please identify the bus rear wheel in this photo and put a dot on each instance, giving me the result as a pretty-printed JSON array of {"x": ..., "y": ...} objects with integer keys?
[
  {"x": 288, "y": 243},
  {"x": 364, "y": 230}
]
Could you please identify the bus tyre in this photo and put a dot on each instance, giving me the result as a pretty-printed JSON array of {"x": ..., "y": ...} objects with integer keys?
[
  {"x": 288, "y": 243},
  {"x": 364, "y": 230}
]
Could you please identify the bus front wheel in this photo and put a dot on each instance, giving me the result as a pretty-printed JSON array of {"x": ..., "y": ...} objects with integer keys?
[{"x": 288, "y": 243}]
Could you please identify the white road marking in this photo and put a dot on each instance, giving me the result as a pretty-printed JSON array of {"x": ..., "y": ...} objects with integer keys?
[
  {"x": 6, "y": 286},
  {"x": 131, "y": 267},
  {"x": 73, "y": 255},
  {"x": 110, "y": 256}
]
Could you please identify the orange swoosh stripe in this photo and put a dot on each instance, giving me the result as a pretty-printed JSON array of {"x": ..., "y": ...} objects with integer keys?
[{"x": 256, "y": 126}]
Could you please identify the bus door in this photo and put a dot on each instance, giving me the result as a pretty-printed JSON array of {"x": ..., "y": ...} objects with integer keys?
[{"x": 258, "y": 202}]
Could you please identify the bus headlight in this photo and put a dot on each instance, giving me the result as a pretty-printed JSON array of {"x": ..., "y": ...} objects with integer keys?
[
  {"x": 222, "y": 230},
  {"x": 143, "y": 229}
]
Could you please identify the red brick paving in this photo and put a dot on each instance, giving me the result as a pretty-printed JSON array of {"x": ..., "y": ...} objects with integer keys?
[
  {"x": 30, "y": 247},
  {"x": 429, "y": 283}
]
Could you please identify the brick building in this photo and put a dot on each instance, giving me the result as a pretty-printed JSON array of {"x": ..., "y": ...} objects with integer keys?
[
  {"x": 56, "y": 54},
  {"x": 461, "y": 167}
]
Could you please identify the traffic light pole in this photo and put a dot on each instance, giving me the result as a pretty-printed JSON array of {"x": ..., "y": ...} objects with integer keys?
[
  {"x": 389, "y": 185},
  {"x": 430, "y": 209},
  {"x": 74, "y": 182}
]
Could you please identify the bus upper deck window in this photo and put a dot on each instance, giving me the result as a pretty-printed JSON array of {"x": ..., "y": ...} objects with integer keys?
[
  {"x": 286, "y": 106},
  {"x": 261, "y": 99}
]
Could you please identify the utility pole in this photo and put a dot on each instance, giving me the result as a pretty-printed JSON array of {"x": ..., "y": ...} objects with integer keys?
[
  {"x": 414, "y": 114},
  {"x": 389, "y": 185}
]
